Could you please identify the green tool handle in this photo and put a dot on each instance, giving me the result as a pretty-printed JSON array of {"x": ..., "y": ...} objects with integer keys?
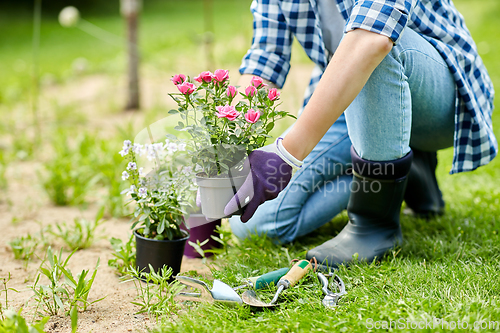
[
  {"x": 297, "y": 272},
  {"x": 265, "y": 280}
]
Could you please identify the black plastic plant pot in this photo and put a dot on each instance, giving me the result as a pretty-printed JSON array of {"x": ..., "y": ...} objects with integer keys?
[{"x": 159, "y": 253}]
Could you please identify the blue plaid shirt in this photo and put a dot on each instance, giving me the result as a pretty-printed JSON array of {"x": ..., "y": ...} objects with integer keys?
[{"x": 277, "y": 22}]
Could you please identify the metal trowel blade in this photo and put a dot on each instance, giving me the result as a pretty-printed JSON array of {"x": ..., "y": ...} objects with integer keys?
[
  {"x": 223, "y": 293},
  {"x": 250, "y": 297}
]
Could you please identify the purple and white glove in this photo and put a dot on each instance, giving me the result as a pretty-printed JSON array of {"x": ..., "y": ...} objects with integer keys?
[{"x": 270, "y": 172}]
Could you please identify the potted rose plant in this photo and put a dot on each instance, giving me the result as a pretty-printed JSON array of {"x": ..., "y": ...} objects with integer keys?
[
  {"x": 161, "y": 198},
  {"x": 223, "y": 132}
]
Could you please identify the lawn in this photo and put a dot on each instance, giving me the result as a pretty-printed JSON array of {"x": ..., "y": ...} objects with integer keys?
[{"x": 446, "y": 270}]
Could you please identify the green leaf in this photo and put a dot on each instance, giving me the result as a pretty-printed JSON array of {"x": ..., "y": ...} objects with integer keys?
[
  {"x": 217, "y": 239},
  {"x": 161, "y": 227},
  {"x": 269, "y": 127},
  {"x": 59, "y": 302},
  {"x": 50, "y": 256},
  {"x": 74, "y": 318},
  {"x": 100, "y": 214}
]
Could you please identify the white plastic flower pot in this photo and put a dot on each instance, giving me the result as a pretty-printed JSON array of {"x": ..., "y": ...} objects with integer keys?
[{"x": 215, "y": 193}]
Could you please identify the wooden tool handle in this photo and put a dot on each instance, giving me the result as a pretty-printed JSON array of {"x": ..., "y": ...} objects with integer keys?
[{"x": 297, "y": 272}]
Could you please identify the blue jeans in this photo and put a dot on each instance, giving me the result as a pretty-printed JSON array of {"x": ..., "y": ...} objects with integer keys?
[{"x": 409, "y": 100}]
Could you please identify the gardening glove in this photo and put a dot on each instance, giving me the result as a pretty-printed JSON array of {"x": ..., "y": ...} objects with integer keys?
[{"x": 270, "y": 172}]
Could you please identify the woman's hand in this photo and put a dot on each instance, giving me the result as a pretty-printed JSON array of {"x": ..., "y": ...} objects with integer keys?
[{"x": 269, "y": 174}]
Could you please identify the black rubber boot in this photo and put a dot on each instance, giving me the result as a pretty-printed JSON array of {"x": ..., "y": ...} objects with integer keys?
[
  {"x": 373, "y": 209},
  {"x": 422, "y": 196}
]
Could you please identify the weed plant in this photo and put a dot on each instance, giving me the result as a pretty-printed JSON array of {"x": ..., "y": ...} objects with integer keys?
[
  {"x": 5, "y": 290},
  {"x": 70, "y": 173},
  {"x": 124, "y": 255},
  {"x": 80, "y": 235},
  {"x": 155, "y": 292},
  {"x": 223, "y": 239},
  {"x": 14, "y": 322},
  {"x": 24, "y": 247},
  {"x": 88, "y": 164},
  {"x": 198, "y": 248},
  {"x": 62, "y": 296}
]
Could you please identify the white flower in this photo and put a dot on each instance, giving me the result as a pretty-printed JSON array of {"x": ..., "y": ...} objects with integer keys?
[
  {"x": 137, "y": 149},
  {"x": 181, "y": 146},
  {"x": 143, "y": 192},
  {"x": 172, "y": 147},
  {"x": 158, "y": 146},
  {"x": 132, "y": 189},
  {"x": 141, "y": 172},
  {"x": 127, "y": 144},
  {"x": 131, "y": 166},
  {"x": 69, "y": 16},
  {"x": 151, "y": 153},
  {"x": 124, "y": 151},
  {"x": 125, "y": 175}
]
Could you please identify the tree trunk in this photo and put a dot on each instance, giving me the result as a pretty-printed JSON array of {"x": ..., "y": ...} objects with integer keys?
[{"x": 130, "y": 10}]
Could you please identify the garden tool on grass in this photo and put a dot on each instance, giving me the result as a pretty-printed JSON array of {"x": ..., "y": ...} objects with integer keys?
[
  {"x": 331, "y": 299},
  {"x": 220, "y": 292},
  {"x": 264, "y": 280},
  {"x": 297, "y": 272}
]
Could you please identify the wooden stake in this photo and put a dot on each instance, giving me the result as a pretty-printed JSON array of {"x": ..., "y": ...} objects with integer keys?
[
  {"x": 37, "y": 14},
  {"x": 208, "y": 36}
]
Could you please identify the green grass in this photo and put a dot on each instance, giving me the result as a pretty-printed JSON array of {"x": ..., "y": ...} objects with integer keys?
[{"x": 446, "y": 269}]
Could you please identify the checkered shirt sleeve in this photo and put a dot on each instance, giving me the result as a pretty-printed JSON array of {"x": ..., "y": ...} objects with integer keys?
[
  {"x": 269, "y": 55},
  {"x": 385, "y": 17}
]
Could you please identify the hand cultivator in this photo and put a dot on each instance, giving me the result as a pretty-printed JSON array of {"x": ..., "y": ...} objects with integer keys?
[{"x": 282, "y": 278}]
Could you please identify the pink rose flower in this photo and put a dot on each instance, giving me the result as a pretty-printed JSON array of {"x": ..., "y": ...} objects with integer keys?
[
  {"x": 250, "y": 91},
  {"x": 273, "y": 94},
  {"x": 186, "y": 88},
  {"x": 221, "y": 75},
  {"x": 204, "y": 77},
  {"x": 227, "y": 111},
  {"x": 252, "y": 116},
  {"x": 257, "y": 82},
  {"x": 178, "y": 79},
  {"x": 231, "y": 91}
]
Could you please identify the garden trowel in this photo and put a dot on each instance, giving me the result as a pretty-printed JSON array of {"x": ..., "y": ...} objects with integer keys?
[
  {"x": 220, "y": 292},
  {"x": 297, "y": 272}
]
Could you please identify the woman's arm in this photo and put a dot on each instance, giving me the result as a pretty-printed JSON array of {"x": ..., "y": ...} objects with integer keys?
[{"x": 357, "y": 56}]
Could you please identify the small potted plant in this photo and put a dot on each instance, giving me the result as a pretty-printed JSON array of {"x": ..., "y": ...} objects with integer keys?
[
  {"x": 223, "y": 134},
  {"x": 161, "y": 197}
]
